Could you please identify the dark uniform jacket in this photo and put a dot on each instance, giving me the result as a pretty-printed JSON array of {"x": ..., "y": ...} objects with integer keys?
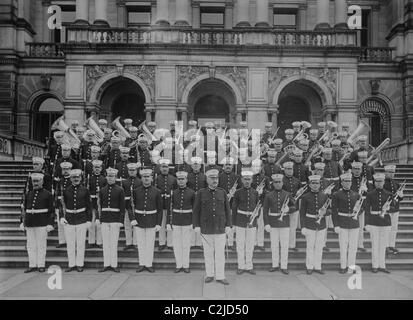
[
  {"x": 148, "y": 201},
  {"x": 196, "y": 181},
  {"x": 96, "y": 183},
  {"x": 112, "y": 157},
  {"x": 55, "y": 152},
  {"x": 85, "y": 152},
  {"x": 256, "y": 180},
  {"x": 47, "y": 182},
  {"x": 272, "y": 205},
  {"x": 122, "y": 168},
  {"x": 77, "y": 198},
  {"x": 144, "y": 157},
  {"x": 61, "y": 186},
  {"x": 212, "y": 212},
  {"x": 311, "y": 202},
  {"x": 129, "y": 185},
  {"x": 375, "y": 200},
  {"x": 89, "y": 168},
  {"x": 246, "y": 201},
  {"x": 368, "y": 172},
  {"x": 58, "y": 169},
  {"x": 354, "y": 157},
  {"x": 343, "y": 201},
  {"x": 112, "y": 197},
  {"x": 332, "y": 170},
  {"x": 291, "y": 185},
  {"x": 355, "y": 184},
  {"x": 301, "y": 172},
  {"x": 38, "y": 200},
  {"x": 392, "y": 186},
  {"x": 271, "y": 168},
  {"x": 227, "y": 180},
  {"x": 182, "y": 203},
  {"x": 165, "y": 183}
]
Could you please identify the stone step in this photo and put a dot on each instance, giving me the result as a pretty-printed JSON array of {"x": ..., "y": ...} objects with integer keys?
[{"x": 13, "y": 182}]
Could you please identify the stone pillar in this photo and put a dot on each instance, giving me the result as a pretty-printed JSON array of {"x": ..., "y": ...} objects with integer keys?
[
  {"x": 302, "y": 16},
  {"x": 148, "y": 115},
  {"x": 183, "y": 18},
  {"x": 243, "y": 11},
  {"x": 340, "y": 14},
  {"x": 239, "y": 117},
  {"x": 184, "y": 119},
  {"x": 196, "y": 15},
  {"x": 262, "y": 14},
  {"x": 101, "y": 12},
  {"x": 162, "y": 13},
  {"x": 229, "y": 16},
  {"x": 323, "y": 14},
  {"x": 82, "y": 12},
  {"x": 74, "y": 111}
]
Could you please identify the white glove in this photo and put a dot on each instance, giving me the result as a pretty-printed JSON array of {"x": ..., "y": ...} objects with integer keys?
[
  {"x": 88, "y": 224},
  {"x": 267, "y": 228},
  {"x": 363, "y": 188},
  {"x": 120, "y": 224},
  {"x": 97, "y": 222},
  {"x": 168, "y": 227},
  {"x": 401, "y": 195},
  {"x": 367, "y": 227},
  {"x": 21, "y": 227},
  {"x": 49, "y": 228},
  {"x": 157, "y": 228},
  {"x": 197, "y": 229},
  {"x": 227, "y": 230},
  {"x": 63, "y": 221},
  {"x": 337, "y": 230},
  {"x": 134, "y": 223},
  {"x": 303, "y": 231}
]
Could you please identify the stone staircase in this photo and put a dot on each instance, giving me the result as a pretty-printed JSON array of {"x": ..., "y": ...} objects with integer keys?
[{"x": 14, "y": 255}]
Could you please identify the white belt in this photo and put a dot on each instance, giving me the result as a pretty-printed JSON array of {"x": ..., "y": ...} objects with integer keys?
[
  {"x": 60, "y": 197},
  {"x": 127, "y": 198},
  {"x": 76, "y": 211},
  {"x": 110, "y": 210},
  {"x": 248, "y": 213},
  {"x": 334, "y": 179},
  {"x": 56, "y": 179},
  {"x": 345, "y": 214},
  {"x": 375, "y": 212},
  {"x": 121, "y": 179},
  {"x": 166, "y": 195},
  {"x": 311, "y": 215},
  {"x": 37, "y": 211},
  {"x": 274, "y": 214},
  {"x": 145, "y": 212},
  {"x": 93, "y": 196},
  {"x": 182, "y": 211}
]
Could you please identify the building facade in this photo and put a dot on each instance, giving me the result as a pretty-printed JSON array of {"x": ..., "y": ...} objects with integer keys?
[{"x": 221, "y": 60}]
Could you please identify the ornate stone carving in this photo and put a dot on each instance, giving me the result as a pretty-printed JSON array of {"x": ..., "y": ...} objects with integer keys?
[
  {"x": 186, "y": 74},
  {"x": 375, "y": 86},
  {"x": 329, "y": 76},
  {"x": 146, "y": 74},
  {"x": 238, "y": 75},
  {"x": 93, "y": 74},
  {"x": 276, "y": 75},
  {"x": 45, "y": 80}
]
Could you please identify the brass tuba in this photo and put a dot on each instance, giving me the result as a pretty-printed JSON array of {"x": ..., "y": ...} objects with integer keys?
[
  {"x": 363, "y": 127},
  {"x": 304, "y": 126},
  {"x": 91, "y": 124},
  {"x": 119, "y": 129},
  {"x": 377, "y": 151},
  {"x": 70, "y": 137}
]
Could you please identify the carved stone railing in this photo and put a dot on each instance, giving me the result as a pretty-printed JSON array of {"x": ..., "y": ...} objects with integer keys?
[
  {"x": 45, "y": 50},
  {"x": 376, "y": 54},
  {"x": 20, "y": 148}
]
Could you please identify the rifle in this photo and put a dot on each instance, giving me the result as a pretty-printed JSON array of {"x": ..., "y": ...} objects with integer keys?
[{"x": 62, "y": 200}]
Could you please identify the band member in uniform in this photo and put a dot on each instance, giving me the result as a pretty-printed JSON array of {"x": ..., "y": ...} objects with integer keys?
[
  {"x": 296, "y": 127},
  {"x": 55, "y": 150},
  {"x": 313, "y": 139},
  {"x": 96, "y": 182},
  {"x": 147, "y": 219},
  {"x": 277, "y": 207},
  {"x": 62, "y": 183},
  {"x": 313, "y": 209},
  {"x": 267, "y": 135},
  {"x": 128, "y": 123},
  {"x": 289, "y": 136},
  {"x": 95, "y": 155},
  {"x": 165, "y": 182},
  {"x": 271, "y": 167},
  {"x": 300, "y": 171},
  {"x": 105, "y": 145},
  {"x": 37, "y": 220},
  {"x": 80, "y": 132},
  {"x": 278, "y": 147},
  {"x": 111, "y": 215},
  {"x": 392, "y": 186},
  {"x": 212, "y": 217},
  {"x": 122, "y": 166},
  {"x": 85, "y": 146},
  {"x": 362, "y": 146},
  {"x": 179, "y": 219},
  {"x": 128, "y": 186},
  {"x": 103, "y": 124},
  {"x": 211, "y": 161},
  {"x": 77, "y": 218},
  {"x": 113, "y": 153},
  {"x": 291, "y": 184},
  {"x": 337, "y": 150},
  {"x": 66, "y": 149},
  {"x": 332, "y": 169},
  {"x": 38, "y": 164},
  {"x": 366, "y": 171},
  {"x": 243, "y": 207},
  {"x": 143, "y": 151},
  {"x": 132, "y": 143},
  {"x": 321, "y": 129},
  {"x": 343, "y": 206},
  {"x": 378, "y": 222}
]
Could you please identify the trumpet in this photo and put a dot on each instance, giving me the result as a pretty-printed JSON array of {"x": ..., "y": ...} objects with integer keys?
[
  {"x": 284, "y": 209},
  {"x": 386, "y": 207},
  {"x": 254, "y": 214},
  {"x": 260, "y": 187},
  {"x": 232, "y": 190},
  {"x": 300, "y": 192},
  {"x": 358, "y": 207},
  {"x": 322, "y": 211},
  {"x": 329, "y": 188},
  {"x": 399, "y": 192}
]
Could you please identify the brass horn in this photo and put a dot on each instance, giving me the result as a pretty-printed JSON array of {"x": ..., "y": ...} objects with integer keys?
[
  {"x": 91, "y": 124},
  {"x": 363, "y": 127},
  {"x": 70, "y": 136},
  {"x": 118, "y": 126}
]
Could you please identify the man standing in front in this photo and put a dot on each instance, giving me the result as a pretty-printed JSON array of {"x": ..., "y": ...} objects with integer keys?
[{"x": 212, "y": 217}]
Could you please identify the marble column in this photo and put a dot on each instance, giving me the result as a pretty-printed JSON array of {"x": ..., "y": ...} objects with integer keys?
[
  {"x": 229, "y": 16},
  {"x": 323, "y": 14},
  {"x": 239, "y": 117},
  {"x": 162, "y": 13},
  {"x": 340, "y": 14},
  {"x": 184, "y": 118},
  {"x": 101, "y": 12},
  {"x": 183, "y": 13},
  {"x": 82, "y": 12},
  {"x": 196, "y": 15},
  {"x": 243, "y": 11},
  {"x": 148, "y": 116},
  {"x": 262, "y": 14}
]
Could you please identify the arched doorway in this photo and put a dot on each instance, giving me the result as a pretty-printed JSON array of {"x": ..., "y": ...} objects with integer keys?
[
  {"x": 125, "y": 98},
  {"x": 212, "y": 107},
  {"x": 376, "y": 114},
  {"x": 298, "y": 101},
  {"x": 45, "y": 111}
]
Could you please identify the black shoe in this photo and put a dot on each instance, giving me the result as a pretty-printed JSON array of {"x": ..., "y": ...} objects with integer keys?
[
  {"x": 260, "y": 248},
  {"x": 135, "y": 248},
  {"x": 309, "y": 272},
  {"x": 90, "y": 246},
  {"x": 128, "y": 247},
  {"x": 285, "y": 271},
  {"x": 163, "y": 247},
  {"x": 374, "y": 270},
  {"x": 293, "y": 249},
  {"x": 384, "y": 270},
  {"x": 170, "y": 248},
  {"x": 325, "y": 249},
  {"x": 361, "y": 249},
  {"x": 186, "y": 270},
  {"x": 223, "y": 281},
  {"x": 42, "y": 269},
  {"x": 319, "y": 271},
  {"x": 395, "y": 251},
  {"x": 79, "y": 269},
  {"x": 117, "y": 270},
  {"x": 104, "y": 269},
  {"x": 209, "y": 279},
  {"x": 150, "y": 269},
  {"x": 30, "y": 270},
  {"x": 343, "y": 271},
  {"x": 177, "y": 270},
  {"x": 71, "y": 269},
  {"x": 240, "y": 271},
  {"x": 140, "y": 269},
  {"x": 273, "y": 269},
  {"x": 252, "y": 271},
  {"x": 98, "y": 246},
  {"x": 61, "y": 245}
]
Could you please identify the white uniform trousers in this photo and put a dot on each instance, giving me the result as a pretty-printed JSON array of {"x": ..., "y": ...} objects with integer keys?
[
  {"x": 95, "y": 232},
  {"x": 196, "y": 239},
  {"x": 394, "y": 228},
  {"x": 110, "y": 237},
  {"x": 260, "y": 230},
  {"x": 348, "y": 247},
  {"x": 146, "y": 245},
  {"x": 36, "y": 246},
  {"x": 279, "y": 239},
  {"x": 165, "y": 237},
  {"x": 76, "y": 238},
  {"x": 361, "y": 232},
  {"x": 230, "y": 240},
  {"x": 214, "y": 255},
  {"x": 181, "y": 237},
  {"x": 314, "y": 250},
  {"x": 294, "y": 218},
  {"x": 60, "y": 229},
  {"x": 379, "y": 240},
  {"x": 130, "y": 233},
  {"x": 245, "y": 247}
]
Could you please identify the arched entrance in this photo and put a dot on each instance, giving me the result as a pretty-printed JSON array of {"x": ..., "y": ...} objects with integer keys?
[
  {"x": 212, "y": 100},
  {"x": 298, "y": 101},
  {"x": 376, "y": 114},
  {"x": 125, "y": 98},
  {"x": 46, "y": 110}
]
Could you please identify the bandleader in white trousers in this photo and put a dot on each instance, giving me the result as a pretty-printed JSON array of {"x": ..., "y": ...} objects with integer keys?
[
  {"x": 146, "y": 245},
  {"x": 245, "y": 247},
  {"x": 181, "y": 237},
  {"x": 36, "y": 246},
  {"x": 379, "y": 241},
  {"x": 76, "y": 238},
  {"x": 110, "y": 237}
]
